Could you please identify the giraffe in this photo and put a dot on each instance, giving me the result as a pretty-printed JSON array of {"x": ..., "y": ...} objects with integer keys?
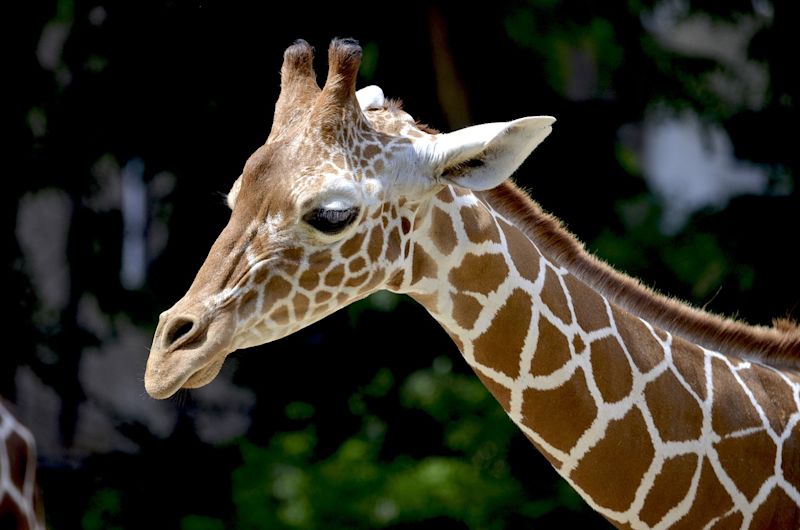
[
  {"x": 20, "y": 506},
  {"x": 658, "y": 414}
]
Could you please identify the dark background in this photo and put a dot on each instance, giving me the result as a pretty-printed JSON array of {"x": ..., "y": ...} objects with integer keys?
[{"x": 369, "y": 419}]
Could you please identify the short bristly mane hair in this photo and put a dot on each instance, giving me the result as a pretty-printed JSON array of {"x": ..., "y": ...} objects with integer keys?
[{"x": 777, "y": 346}]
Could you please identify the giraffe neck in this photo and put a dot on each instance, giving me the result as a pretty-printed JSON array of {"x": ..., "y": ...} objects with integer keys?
[
  {"x": 650, "y": 429},
  {"x": 19, "y": 502}
]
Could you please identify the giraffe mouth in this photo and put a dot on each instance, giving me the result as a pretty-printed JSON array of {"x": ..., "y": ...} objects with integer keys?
[
  {"x": 204, "y": 375},
  {"x": 191, "y": 361}
]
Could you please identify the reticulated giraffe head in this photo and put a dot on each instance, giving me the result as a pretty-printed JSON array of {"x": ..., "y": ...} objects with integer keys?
[{"x": 323, "y": 214}]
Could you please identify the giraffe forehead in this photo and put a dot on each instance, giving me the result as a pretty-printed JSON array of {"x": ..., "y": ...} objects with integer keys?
[{"x": 294, "y": 174}]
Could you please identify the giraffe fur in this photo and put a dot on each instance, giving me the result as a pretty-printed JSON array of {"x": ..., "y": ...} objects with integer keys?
[{"x": 651, "y": 426}]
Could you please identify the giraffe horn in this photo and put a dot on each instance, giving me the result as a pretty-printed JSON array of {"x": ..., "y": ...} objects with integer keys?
[
  {"x": 338, "y": 101},
  {"x": 299, "y": 87},
  {"x": 344, "y": 58}
]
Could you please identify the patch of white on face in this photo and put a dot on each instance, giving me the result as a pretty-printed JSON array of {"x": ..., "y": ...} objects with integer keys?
[
  {"x": 333, "y": 192},
  {"x": 270, "y": 226}
]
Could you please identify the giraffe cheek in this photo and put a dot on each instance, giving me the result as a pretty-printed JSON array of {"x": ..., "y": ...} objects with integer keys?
[
  {"x": 275, "y": 290},
  {"x": 247, "y": 306}
]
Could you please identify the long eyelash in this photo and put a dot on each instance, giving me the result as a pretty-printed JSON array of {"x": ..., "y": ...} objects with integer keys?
[{"x": 331, "y": 221}]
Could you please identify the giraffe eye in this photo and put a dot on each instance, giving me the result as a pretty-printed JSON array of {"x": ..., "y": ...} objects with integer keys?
[{"x": 331, "y": 220}]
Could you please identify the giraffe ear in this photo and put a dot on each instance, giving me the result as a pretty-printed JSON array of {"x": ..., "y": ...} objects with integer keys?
[
  {"x": 370, "y": 97},
  {"x": 483, "y": 156},
  {"x": 234, "y": 193}
]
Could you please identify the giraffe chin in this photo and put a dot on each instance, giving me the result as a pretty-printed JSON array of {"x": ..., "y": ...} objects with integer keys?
[{"x": 205, "y": 375}]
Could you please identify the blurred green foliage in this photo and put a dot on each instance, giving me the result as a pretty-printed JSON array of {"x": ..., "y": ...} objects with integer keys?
[{"x": 289, "y": 484}]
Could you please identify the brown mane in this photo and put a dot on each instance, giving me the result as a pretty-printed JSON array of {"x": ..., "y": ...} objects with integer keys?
[{"x": 777, "y": 346}]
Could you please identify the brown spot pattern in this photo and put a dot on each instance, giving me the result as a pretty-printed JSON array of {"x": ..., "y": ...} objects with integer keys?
[
  {"x": 500, "y": 393},
  {"x": 320, "y": 259},
  {"x": 645, "y": 350},
  {"x": 335, "y": 276},
  {"x": 626, "y": 436},
  {"x": 309, "y": 279},
  {"x": 357, "y": 264},
  {"x": 422, "y": 266},
  {"x": 553, "y": 296},
  {"x": 500, "y": 346},
  {"x": 790, "y": 462},
  {"x": 748, "y": 460},
  {"x": 247, "y": 305},
  {"x": 561, "y": 415},
  {"x": 688, "y": 361},
  {"x": 465, "y": 310},
  {"x": 276, "y": 289},
  {"x": 479, "y": 224},
  {"x": 10, "y": 516},
  {"x": 591, "y": 311},
  {"x": 675, "y": 412},
  {"x": 322, "y": 296},
  {"x": 442, "y": 232},
  {"x": 669, "y": 488},
  {"x": 17, "y": 447},
  {"x": 480, "y": 274},
  {"x": 261, "y": 275},
  {"x": 377, "y": 277},
  {"x": 731, "y": 521},
  {"x": 445, "y": 195},
  {"x": 405, "y": 224},
  {"x": 772, "y": 394},
  {"x": 396, "y": 281},
  {"x": 455, "y": 338},
  {"x": 280, "y": 315},
  {"x": 371, "y": 150},
  {"x": 355, "y": 281},
  {"x": 711, "y": 501},
  {"x": 300, "y": 303},
  {"x": 393, "y": 246},
  {"x": 552, "y": 349},
  {"x": 523, "y": 254},
  {"x": 611, "y": 369},
  {"x": 777, "y": 511},
  {"x": 732, "y": 411},
  {"x": 352, "y": 245},
  {"x": 375, "y": 245},
  {"x": 292, "y": 257}
]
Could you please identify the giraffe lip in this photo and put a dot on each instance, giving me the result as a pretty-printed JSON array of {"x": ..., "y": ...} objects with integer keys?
[
  {"x": 162, "y": 382},
  {"x": 204, "y": 375}
]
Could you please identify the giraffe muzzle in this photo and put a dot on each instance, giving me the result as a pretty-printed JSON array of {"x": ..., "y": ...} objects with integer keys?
[{"x": 188, "y": 350}]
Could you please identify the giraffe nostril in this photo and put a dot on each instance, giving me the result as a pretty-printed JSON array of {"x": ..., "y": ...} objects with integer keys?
[{"x": 179, "y": 328}]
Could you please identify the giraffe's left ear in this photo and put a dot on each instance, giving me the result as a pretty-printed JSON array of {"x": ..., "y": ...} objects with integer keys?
[{"x": 483, "y": 156}]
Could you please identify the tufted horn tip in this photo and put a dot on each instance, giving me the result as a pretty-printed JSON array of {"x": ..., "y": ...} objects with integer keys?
[
  {"x": 344, "y": 58},
  {"x": 298, "y": 57},
  {"x": 299, "y": 86}
]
